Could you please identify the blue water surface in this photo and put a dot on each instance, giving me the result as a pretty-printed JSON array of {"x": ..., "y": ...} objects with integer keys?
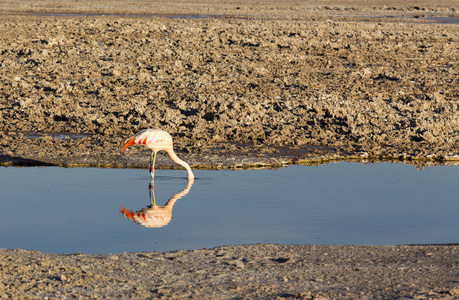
[{"x": 62, "y": 210}]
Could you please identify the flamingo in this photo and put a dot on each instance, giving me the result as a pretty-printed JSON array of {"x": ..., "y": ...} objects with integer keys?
[
  {"x": 155, "y": 215},
  {"x": 156, "y": 140}
]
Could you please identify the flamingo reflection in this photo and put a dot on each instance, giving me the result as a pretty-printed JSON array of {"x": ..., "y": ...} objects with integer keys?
[{"x": 155, "y": 216}]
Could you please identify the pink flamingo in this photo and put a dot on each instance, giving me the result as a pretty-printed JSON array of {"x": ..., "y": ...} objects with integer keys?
[
  {"x": 156, "y": 140},
  {"x": 155, "y": 215}
]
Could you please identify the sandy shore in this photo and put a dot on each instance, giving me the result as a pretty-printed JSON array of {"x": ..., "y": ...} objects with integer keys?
[
  {"x": 237, "y": 272},
  {"x": 242, "y": 91},
  {"x": 237, "y": 84}
]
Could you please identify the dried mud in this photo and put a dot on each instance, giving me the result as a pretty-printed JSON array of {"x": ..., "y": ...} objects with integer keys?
[
  {"x": 232, "y": 91},
  {"x": 236, "y": 272},
  {"x": 237, "y": 84}
]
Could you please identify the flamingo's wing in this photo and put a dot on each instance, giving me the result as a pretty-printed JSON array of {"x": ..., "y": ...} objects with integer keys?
[
  {"x": 154, "y": 139},
  {"x": 139, "y": 138},
  {"x": 128, "y": 142},
  {"x": 126, "y": 213}
]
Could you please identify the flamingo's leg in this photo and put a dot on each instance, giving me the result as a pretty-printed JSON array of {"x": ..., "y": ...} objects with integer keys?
[
  {"x": 151, "y": 158},
  {"x": 151, "y": 168},
  {"x": 151, "y": 192}
]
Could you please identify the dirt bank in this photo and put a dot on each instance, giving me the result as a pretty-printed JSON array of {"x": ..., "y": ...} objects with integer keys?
[
  {"x": 263, "y": 83},
  {"x": 232, "y": 91},
  {"x": 237, "y": 272}
]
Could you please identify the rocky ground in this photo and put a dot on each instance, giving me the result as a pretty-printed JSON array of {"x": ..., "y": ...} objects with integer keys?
[
  {"x": 237, "y": 84},
  {"x": 232, "y": 91},
  {"x": 237, "y": 272}
]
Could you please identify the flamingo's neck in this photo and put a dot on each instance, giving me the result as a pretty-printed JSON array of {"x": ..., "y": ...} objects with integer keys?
[{"x": 175, "y": 158}]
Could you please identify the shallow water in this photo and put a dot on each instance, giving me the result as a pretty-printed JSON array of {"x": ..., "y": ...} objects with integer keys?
[
  {"x": 69, "y": 210},
  {"x": 424, "y": 19}
]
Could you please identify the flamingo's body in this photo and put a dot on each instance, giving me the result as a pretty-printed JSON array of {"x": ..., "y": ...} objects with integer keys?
[
  {"x": 155, "y": 215},
  {"x": 156, "y": 140}
]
